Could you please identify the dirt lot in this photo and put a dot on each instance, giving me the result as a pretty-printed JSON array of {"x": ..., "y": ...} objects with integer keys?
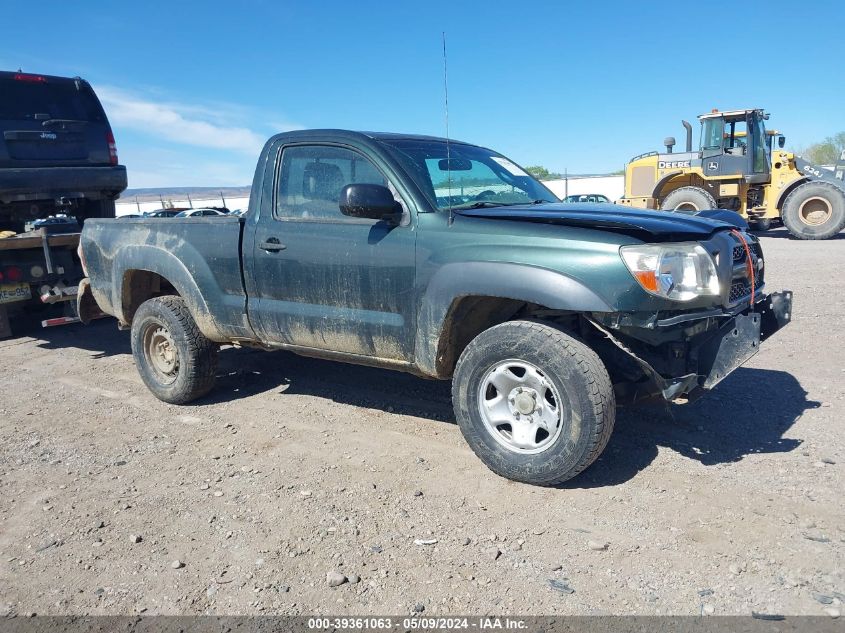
[{"x": 294, "y": 468}]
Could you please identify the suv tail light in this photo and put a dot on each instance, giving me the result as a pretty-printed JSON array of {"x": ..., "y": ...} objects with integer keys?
[
  {"x": 13, "y": 273},
  {"x": 33, "y": 78},
  {"x": 112, "y": 148}
]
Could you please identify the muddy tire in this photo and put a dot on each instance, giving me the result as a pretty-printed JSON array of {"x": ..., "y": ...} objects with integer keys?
[
  {"x": 175, "y": 360},
  {"x": 535, "y": 404},
  {"x": 814, "y": 211},
  {"x": 688, "y": 199}
]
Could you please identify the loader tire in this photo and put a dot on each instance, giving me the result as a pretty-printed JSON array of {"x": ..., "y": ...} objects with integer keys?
[
  {"x": 814, "y": 211},
  {"x": 175, "y": 360},
  {"x": 688, "y": 200}
]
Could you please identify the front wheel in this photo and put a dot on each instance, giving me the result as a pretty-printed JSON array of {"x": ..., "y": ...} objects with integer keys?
[
  {"x": 688, "y": 200},
  {"x": 535, "y": 404},
  {"x": 814, "y": 211},
  {"x": 175, "y": 360}
]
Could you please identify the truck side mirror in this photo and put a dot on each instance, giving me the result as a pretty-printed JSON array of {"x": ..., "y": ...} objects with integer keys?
[
  {"x": 781, "y": 141},
  {"x": 375, "y": 202}
]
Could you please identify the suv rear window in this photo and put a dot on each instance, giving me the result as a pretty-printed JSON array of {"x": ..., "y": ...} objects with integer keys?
[{"x": 59, "y": 100}]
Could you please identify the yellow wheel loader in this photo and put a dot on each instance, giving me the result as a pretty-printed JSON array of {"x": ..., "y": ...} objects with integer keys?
[{"x": 742, "y": 167}]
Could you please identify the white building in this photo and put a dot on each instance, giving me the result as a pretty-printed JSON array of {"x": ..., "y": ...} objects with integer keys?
[{"x": 611, "y": 186}]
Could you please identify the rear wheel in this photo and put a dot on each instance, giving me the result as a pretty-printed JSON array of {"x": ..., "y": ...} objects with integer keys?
[
  {"x": 535, "y": 404},
  {"x": 175, "y": 360},
  {"x": 814, "y": 211},
  {"x": 688, "y": 199}
]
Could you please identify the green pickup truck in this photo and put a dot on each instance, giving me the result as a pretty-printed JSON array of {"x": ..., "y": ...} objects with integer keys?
[{"x": 449, "y": 261}]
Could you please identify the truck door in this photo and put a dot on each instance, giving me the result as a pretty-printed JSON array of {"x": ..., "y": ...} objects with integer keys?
[{"x": 323, "y": 280}]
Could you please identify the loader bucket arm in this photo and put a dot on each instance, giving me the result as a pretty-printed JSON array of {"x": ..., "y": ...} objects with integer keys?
[
  {"x": 814, "y": 172},
  {"x": 839, "y": 168}
]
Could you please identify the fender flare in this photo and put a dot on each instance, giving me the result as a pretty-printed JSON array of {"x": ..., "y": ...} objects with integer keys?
[
  {"x": 163, "y": 263},
  {"x": 659, "y": 184},
  {"x": 789, "y": 189},
  {"x": 519, "y": 282}
]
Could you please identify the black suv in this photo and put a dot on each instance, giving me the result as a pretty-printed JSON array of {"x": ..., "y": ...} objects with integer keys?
[{"x": 57, "y": 151}]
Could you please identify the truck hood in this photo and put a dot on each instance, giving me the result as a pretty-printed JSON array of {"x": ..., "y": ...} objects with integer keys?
[{"x": 642, "y": 224}]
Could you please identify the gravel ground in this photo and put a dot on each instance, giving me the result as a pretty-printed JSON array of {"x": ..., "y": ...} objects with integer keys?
[{"x": 298, "y": 474}]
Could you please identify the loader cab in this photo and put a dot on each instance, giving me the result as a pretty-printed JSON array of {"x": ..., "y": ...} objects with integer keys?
[{"x": 735, "y": 143}]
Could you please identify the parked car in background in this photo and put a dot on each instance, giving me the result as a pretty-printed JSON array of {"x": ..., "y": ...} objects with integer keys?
[
  {"x": 237, "y": 212},
  {"x": 198, "y": 213},
  {"x": 164, "y": 213},
  {"x": 586, "y": 197},
  {"x": 57, "y": 151},
  {"x": 57, "y": 224},
  {"x": 57, "y": 160}
]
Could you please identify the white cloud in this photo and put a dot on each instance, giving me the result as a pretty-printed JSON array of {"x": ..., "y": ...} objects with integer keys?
[
  {"x": 189, "y": 125},
  {"x": 151, "y": 165}
]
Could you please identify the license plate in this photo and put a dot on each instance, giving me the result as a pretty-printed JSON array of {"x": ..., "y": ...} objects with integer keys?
[{"x": 9, "y": 293}]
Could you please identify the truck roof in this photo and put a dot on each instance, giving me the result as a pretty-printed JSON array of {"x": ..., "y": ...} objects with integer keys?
[
  {"x": 728, "y": 113},
  {"x": 380, "y": 136}
]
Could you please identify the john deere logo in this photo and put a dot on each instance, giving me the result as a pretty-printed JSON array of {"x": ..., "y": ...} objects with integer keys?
[
  {"x": 712, "y": 165},
  {"x": 672, "y": 164}
]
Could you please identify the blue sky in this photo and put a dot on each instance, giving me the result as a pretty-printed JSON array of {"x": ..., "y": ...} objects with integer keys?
[{"x": 194, "y": 88}]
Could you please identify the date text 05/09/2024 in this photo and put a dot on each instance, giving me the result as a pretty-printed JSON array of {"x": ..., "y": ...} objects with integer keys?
[{"x": 417, "y": 623}]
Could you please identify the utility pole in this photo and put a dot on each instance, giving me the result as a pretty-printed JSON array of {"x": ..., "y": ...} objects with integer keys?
[
  {"x": 565, "y": 183},
  {"x": 190, "y": 202},
  {"x": 223, "y": 199},
  {"x": 137, "y": 204}
]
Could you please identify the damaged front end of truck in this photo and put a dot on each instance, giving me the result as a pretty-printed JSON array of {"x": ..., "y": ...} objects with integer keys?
[
  {"x": 678, "y": 355},
  {"x": 651, "y": 358}
]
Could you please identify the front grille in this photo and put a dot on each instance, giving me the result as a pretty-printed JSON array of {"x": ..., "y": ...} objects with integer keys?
[
  {"x": 740, "y": 284},
  {"x": 739, "y": 289},
  {"x": 739, "y": 251}
]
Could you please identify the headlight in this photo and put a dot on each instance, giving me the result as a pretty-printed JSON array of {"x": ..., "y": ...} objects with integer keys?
[{"x": 680, "y": 271}]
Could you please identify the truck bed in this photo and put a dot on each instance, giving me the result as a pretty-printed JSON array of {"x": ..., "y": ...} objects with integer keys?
[{"x": 201, "y": 257}]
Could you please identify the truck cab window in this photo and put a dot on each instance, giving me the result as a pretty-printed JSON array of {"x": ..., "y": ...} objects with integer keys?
[{"x": 312, "y": 176}]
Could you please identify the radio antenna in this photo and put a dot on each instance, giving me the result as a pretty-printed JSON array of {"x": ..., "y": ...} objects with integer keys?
[{"x": 448, "y": 146}]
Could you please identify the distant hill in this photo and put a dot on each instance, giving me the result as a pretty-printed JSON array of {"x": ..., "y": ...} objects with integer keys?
[{"x": 167, "y": 193}]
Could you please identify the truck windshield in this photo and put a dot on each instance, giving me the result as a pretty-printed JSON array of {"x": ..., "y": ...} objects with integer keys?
[{"x": 464, "y": 176}]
